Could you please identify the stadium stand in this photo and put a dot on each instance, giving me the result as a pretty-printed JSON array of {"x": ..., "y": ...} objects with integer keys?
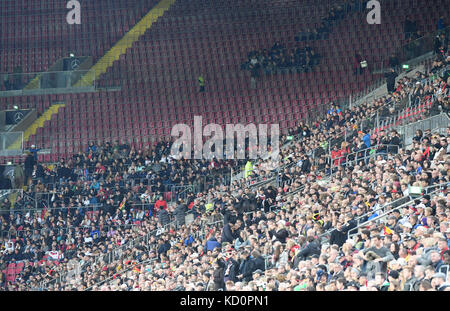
[{"x": 357, "y": 199}]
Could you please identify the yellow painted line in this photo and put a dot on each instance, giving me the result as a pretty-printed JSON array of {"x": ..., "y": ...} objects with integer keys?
[
  {"x": 126, "y": 42},
  {"x": 39, "y": 122}
]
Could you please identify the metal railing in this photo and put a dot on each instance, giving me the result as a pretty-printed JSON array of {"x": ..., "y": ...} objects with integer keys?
[
  {"x": 11, "y": 143},
  {"x": 46, "y": 80},
  {"x": 427, "y": 191},
  {"x": 437, "y": 122},
  {"x": 125, "y": 271},
  {"x": 117, "y": 253},
  {"x": 402, "y": 117},
  {"x": 363, "y": 155}
]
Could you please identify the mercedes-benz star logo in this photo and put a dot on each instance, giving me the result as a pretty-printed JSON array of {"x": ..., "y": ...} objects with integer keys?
[
  {"x": 75, "y": 64},
  {"x": 18, "y": 116}
]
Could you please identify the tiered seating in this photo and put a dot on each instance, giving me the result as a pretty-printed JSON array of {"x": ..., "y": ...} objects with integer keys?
[
  {"x": 158, "y": 75},
  {"x": 34, "y": 34},
  {"x": 161, "y": 69}
]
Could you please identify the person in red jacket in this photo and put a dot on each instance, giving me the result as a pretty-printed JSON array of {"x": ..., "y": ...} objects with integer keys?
[
  {"x": 160, "y": 204},
  {"x": 337, "y": 155}
]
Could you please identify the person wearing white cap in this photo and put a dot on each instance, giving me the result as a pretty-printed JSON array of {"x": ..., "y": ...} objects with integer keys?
[{"x": 34, "y": 151}]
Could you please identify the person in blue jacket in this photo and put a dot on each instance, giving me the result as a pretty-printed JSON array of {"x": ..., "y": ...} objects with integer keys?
[
  {"x": 211, "y": 244},
  {"x": 34, "y": 152}
]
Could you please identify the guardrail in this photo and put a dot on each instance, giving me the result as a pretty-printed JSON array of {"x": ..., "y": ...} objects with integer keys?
[
  {"x": 438, "y": 122},
  {"x": 363, "y": 155},
  {"x": 111, "y": 278},
  {"x": 117, "y": 252},
  {"x": 386, "y": 213}
]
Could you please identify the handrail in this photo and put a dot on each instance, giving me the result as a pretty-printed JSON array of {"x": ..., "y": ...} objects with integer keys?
[
  {"x": 406, "y": 130},
  {"x": 109, "y": 254},
  {"x": 393, "y": 122},
  {"x": 50, "y": 208},
  {"x": 121, "y": 272},
  {"x": 396, "y": 208},
  {"x": 129, "y": 244},
  {"x": 355, "y": 154},
  {"x": 366, "y": 214}
]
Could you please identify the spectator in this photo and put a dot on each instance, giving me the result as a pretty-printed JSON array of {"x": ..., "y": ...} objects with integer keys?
[
  {"x": 211, "y": 244},
  {"x": 410, "y": 27},
  {"x": 376, "y": 257},
  {"x": 19, "y": 176},
  {"x": 390, "y": 80},
  {"x": 29, "y": 164},
  {"x": 34, "y": 151},
  {"x": 357, "y": 64},
  {"x": 164, "y": 217},
  {"x": 180, "y": 212},
  {"x": 394, "y": 62},
  {"x": 441, "y": 23},
  {"x": 201, "y": 83},
  {"x": 441, "y": 44}
]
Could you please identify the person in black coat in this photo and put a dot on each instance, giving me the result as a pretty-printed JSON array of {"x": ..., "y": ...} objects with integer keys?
[
  {"x": 232, "y": 268},
  {"x": 306, "y": 164},
  {"x": 246, "y": 267},
  {"x": 164, "y": 217},
  {"x": 29, "y": 164},
  {"x": 312, "y": 247},
  {"x": 180, "y": 213},
  {"x": 396, "y": 141},
  {"x": 163, "y": 247},
  {"x": 218, "y": 274},
  {"x": 338, "y": 235},
  {"x": 390, "y": 80},
  {"x": 228, "y": 233},
  {"x": 281, "y": 234},
  {"x": 258, "y": 261},
  {"x": 230, "y": 215}
]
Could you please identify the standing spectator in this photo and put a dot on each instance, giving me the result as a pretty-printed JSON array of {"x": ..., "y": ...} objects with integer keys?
[
  {"x": 164, "y": 217},
  {"x": 410, "y": 27},
  {"x": 393, "y": 61},
  {"x": 17, "y": 78},
  {"x": 201, "y": 83},
  {"x": 396, "y": 141},
  {"x": 218, "y": 274},
  {"x": 377, "y": 257},
  {"x": 8, "y": 85},
  {"x": 29, "y": 164},
  {"x": 357, "y": 64},
  {"x": 180, "y": 212},
  {"x": 441, "y": 23},
  {"x": 390, "y": 80},
  {"x": 441, "y": 44},
  {"x": 34, "y": 151},
  {"x": 19, "y": 175}
]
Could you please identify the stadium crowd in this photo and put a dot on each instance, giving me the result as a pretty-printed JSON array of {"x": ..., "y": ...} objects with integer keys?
[
  {"x": 104, "y": 220},
  {"x": 279, "y": 59}
]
